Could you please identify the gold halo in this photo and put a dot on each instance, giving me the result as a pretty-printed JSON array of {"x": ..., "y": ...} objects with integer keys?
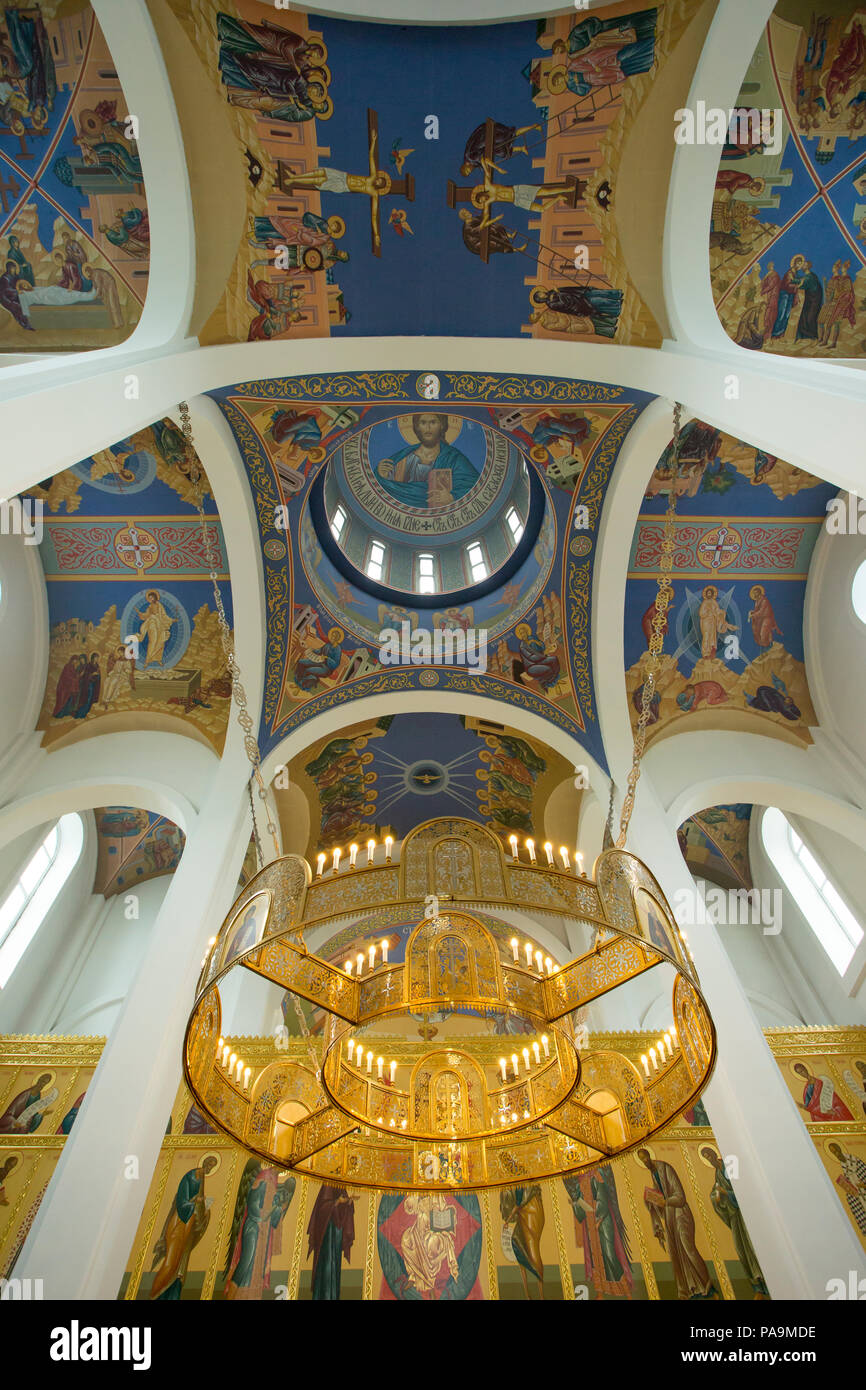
[
  {"x": 336, "y": 635},
  {"x": 326, "y": 111},
  {"x": 711, "y": 591},
  {"x": 756, "y": 591},
  {"x": 336, "y": 227},
  {"x": 404, "y": 424},
  {"x": 52, "y": 1075},
  {"x": 831, "y": 1139},
  {"x": 707, "y": 1145},
  {"x": 650, "y": 1151},
  {"x": 210, "y": 1154}
]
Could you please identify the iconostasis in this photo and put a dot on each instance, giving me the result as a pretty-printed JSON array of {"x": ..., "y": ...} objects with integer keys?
[{"x": 216, "y": 1224}]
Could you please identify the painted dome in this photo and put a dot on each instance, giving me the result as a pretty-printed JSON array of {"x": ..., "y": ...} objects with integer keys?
[{"x": 426, "y": 503}]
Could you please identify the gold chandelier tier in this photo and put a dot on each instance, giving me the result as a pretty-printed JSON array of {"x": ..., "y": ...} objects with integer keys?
[{"x": 449, "y": 1116}]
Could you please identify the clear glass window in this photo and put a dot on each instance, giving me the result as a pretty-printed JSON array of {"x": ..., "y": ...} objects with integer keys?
[
  {"x": 338, "y": 522},
  {"x": 27, "y": 903},
  {"x": 477, "y": 563},
  {"x": 376, "y": 560},
  {"x": 817, "y": 897}
]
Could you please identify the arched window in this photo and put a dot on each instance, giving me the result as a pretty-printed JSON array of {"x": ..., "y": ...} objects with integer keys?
[
  {"x": 831, "y": 920},
  {"x": 24, "y": 909},
  {"x": 858, "y": 591}
]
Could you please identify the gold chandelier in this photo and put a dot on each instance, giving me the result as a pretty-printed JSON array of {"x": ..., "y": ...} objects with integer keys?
[
  {"x": 377, "y": 1115},
  {"x": 372, "y": 1109}
]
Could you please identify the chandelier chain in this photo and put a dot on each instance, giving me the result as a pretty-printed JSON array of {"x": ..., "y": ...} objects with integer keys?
[
  {"x": 664, "y": 594},
  {"x": 244, "y": 717}
]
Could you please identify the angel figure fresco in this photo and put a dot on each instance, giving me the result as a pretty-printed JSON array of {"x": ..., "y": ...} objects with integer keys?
[
  {"x": 184, "y": 1227},
  {"x": 673, "y": 1225},
  {"x": 599, "y": 1222},
  {"x": 400, "y": 222},
  {"x": 260, "y": 1209},
  {"x": 398, "y": 156},
  {"x": 522, "y": 1212},
  {"x": 119, "y": 675},
  {"x": 727, "y": 1208}
]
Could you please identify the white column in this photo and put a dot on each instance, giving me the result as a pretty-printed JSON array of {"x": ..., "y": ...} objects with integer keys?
[
  {"x": 86, "y": 1225},
  {"x": 800, "y": 1230}
]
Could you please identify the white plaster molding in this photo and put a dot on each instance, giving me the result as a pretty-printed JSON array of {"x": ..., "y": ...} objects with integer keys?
[
  {"x": 81, "y": 406},
  {"x": 166, "y": 773},
  {"x": 722, "y": 66},
  {"x": 691, "y": 771},
  {"x": 420, "y": 702},
  {"x": 641, "y": 450}
]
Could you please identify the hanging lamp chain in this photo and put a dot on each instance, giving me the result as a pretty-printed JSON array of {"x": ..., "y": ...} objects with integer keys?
[
  {"x": 244, "y": 717},
  {"x": 664, "y": 595}
]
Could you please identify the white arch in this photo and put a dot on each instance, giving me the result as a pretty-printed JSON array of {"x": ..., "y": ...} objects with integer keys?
[
  {"x": 137, "y": 57},
  {"x": 727, "y": 52},
  {"x": 368, "y": 707},
  {"x": 643, "y": 446},
  {"x": 82, "y": 406},
  {"x": 166, "y": 773},
  {"x": 443, "y": 12},
  {"x": 691, "y": 771}
]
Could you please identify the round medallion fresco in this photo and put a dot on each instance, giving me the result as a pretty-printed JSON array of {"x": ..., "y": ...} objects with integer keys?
[{"x": 421, "y": 474}]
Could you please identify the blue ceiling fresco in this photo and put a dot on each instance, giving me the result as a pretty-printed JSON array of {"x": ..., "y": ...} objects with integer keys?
[
  {"x": 392, "y": 774},
  {"x": 746, "y": 526},
  {"x": 788, "y": 228},
  {"x": 133, "y": 622},
  {"x": 324, "y": 632},
  {"x": 379, "y": 199}
]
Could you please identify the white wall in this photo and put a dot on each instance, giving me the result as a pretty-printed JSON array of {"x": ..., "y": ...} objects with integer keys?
[
  {"x": 821, "y": 995},
  {"x": 835, "y": 640},
  {"x": 103, "y": 971},
  {"x": 23, "y": 641}
]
